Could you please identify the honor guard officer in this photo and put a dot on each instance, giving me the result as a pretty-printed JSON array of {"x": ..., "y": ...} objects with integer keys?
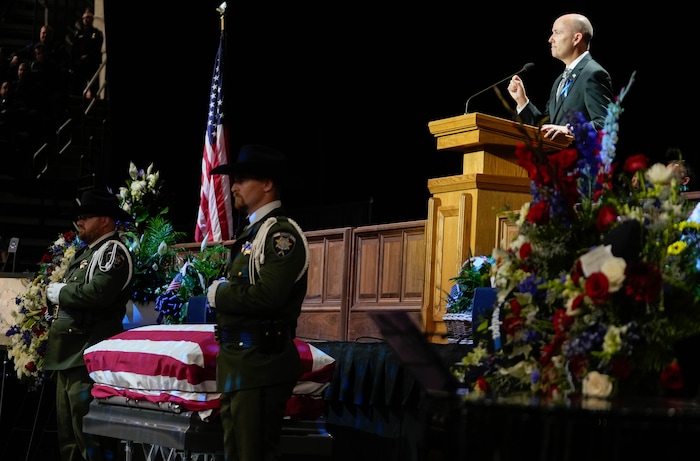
[
  {"x": 90, "y": 304},
  {"x": 257, "y": 309}
]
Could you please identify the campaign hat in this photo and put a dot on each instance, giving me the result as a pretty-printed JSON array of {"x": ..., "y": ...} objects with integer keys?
[
  {"x": 255, "y": 161},
  {"x": 101, "y": 203}
]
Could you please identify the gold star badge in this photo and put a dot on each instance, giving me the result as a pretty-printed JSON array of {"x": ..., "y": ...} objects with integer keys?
[{"x": 284, "y": 243}]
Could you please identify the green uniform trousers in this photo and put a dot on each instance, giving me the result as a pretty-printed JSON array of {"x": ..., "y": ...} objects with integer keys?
[
  {"x": 252, "y": 421},
  {"x": 73, "y": 399}
]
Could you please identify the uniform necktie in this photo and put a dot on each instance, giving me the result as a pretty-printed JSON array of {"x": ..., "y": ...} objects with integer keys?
[
  {"x": 564, "y": 84},
  {"x": 243, "y": 226}
]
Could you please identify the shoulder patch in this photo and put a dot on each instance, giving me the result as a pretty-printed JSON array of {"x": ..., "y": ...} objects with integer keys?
[
  {"x": 284, "y": 243},
  {"x": 113, "y": 257}
]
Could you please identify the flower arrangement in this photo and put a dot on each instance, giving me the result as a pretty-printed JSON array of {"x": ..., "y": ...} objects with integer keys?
[
  {"x": 194, "y": 277},
  {"x": 141, "y": 196},
  {"x": 600, "y": 283},
  {"x": 30, "y": 332},
  {"x": 150, "y": 239}
]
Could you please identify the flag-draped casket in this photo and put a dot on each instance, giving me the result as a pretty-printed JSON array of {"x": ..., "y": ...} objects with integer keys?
[{"x": 176, "y": 365}]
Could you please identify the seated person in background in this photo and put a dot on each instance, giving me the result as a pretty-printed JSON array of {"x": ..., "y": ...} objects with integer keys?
[{"x": 686, "y": 175}]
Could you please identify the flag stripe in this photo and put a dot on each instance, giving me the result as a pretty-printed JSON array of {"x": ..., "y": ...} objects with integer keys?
[{"x": 215, "y": 216}]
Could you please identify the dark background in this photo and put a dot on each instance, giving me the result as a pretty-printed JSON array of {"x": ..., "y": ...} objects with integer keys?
[{"x": 347, "y": 90}]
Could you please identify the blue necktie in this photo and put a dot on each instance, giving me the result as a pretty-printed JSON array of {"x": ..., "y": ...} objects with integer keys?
[{"x": 564, "y": 84}]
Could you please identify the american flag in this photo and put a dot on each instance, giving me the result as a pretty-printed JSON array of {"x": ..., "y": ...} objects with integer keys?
[
  {"x": 177, "y": 281},
  {"x": 215, "y": 218},
  {"x": 175, "y": 284}
]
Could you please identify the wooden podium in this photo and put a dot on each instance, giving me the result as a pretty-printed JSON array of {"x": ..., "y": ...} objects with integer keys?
[{"x": 465, "y": 211}]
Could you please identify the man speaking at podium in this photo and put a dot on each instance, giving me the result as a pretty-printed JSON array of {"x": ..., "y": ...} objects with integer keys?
[{"x": 584, "y": 87}]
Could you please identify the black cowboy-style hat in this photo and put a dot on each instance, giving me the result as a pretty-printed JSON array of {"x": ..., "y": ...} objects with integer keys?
[
  {"x": 255, "y": 161},
  {"x": 99, "y": 203}
]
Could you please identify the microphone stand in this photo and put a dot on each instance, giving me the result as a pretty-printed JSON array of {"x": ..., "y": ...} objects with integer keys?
[{"x": 525, "y": 68}]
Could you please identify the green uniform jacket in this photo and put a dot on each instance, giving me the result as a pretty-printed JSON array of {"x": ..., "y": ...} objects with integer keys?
[
  {"x": 277, "y": 294},
  {"x": 93, "y": 305}
]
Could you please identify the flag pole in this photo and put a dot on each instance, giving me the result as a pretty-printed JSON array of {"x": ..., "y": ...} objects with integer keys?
[
  {"x": 222, "y": 10},
  {"x": 215, "y": 215}
]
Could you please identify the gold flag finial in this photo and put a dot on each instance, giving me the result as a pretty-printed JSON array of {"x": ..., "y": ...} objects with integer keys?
[{"x": 222, "y": 9}]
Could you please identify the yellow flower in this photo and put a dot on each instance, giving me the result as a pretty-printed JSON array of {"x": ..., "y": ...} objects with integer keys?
[{"x": 677, "y": 248}]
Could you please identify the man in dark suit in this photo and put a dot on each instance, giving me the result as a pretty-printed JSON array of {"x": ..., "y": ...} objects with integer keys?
[
  {"x": 90, "y": 303},
  {"x": 585, "y": 86},
  {"x": 257, "y": 309}
]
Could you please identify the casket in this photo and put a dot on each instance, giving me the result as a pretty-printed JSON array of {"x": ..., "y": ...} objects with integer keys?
[{"x": 156, "y": 385}]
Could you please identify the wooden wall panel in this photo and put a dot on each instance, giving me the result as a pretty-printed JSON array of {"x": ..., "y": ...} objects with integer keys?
[
  {"x": 317, "y": 270},
  {"x": 337, "y": 269},
  {"x": 392, "y": 266},
  {"x": 325, "y": 308},
  {"x": 413, "y": 272},
  {"x": 367, "y": 268},
  {"x": 353, "y": 271}
]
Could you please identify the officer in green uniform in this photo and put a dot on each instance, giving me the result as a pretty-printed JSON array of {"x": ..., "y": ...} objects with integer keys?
[
  {"x": 90, "y": 303},
  {"x": 257, "y": 309}
]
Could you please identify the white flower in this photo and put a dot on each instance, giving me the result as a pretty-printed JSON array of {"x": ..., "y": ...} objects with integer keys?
[
  {"x": 162, "y": 248},
  {"x": 133, "y": 171},
  {"x": 659, "y": 174},
  {"x": 138, "y": 188},
  {"x": 597, "y": 385},
  {"x": 153, "y": 179},
  {"x": 614, "y": 269},
  {"x": 523, "y": 213}
]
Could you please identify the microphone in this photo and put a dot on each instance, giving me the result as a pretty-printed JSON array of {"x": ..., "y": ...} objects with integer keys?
[{"x": 525, "y": 68}]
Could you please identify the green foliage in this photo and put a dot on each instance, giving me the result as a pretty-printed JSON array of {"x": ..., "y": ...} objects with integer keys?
[
  {"x": 204, "y": 268},
  {"x": 154, "y": 256},
  {"x": 197, "y": 272},
  {"x": 475, "y": 273}
]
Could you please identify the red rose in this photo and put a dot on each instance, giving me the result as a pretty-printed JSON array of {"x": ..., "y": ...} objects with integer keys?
[
  {"x": 607, "y": 216},
  {"x": 512, "y": 324},
  {"x": 481, "y": 384},
  {"x": 538, "y": 213},
  {"x": 636, "y": 163},
  {"x": 515, "y": 307},
  {"x": 672, "y": 377},
  {"x": 598, "y": 287},
  {"x": 525, "y": 250},
  {"x": 30, "y": 366}
]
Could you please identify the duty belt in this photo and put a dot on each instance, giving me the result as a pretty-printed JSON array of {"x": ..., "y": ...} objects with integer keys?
[
  {"x": 269, "y": 337},
  {"x": 79, "y": 317}
]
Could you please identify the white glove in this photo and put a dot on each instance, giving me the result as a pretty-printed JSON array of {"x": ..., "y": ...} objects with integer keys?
[
  {"x": 53, "y": 290},
  {"x": 211, "y": 292}
]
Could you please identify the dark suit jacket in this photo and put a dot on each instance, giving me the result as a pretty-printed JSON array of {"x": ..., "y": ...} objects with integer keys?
[
  {"x": 590, "y": 93},
  {"x": 276, "y": 295}
]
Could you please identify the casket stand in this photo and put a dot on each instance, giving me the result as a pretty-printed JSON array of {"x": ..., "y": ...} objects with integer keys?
[{"x": 168, "y": 431}]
